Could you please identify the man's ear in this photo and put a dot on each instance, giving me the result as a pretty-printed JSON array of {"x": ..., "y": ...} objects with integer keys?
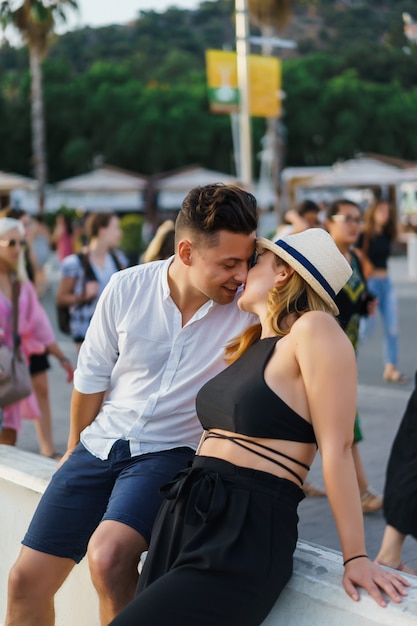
[{"x": 185, "y": 248}]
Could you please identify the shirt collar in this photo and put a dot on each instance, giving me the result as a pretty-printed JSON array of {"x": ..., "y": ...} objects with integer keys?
[{"x": 166, "y": 293}]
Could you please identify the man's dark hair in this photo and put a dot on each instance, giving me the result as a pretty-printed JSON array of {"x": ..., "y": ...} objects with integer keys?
[
  {"x": 16, "y": 214},
  {"x": 307, "y": 206},
  {"x": 207, "y": 210},
  {"x": 334, "y": 208}
]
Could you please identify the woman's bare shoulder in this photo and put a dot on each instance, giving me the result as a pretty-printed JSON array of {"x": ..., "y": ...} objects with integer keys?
[{"x": 314, "y": 321}]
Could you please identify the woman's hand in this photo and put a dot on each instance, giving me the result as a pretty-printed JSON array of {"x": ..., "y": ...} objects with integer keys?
[
  {"x": 374, "y": 579},
  {"x": 68, "y": 367}
]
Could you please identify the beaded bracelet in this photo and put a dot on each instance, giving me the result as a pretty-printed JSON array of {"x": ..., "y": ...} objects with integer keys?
[{"x": 352, "y": 558}]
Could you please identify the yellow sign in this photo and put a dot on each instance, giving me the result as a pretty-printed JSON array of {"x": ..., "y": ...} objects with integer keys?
[{"x": 264, "y": 83}]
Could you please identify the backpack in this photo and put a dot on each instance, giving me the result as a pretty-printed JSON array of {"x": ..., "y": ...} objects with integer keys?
[{"x": 63, "y": 310}]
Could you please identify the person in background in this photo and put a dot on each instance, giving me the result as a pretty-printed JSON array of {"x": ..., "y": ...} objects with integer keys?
[
  {"x": 39, "y": 361},
  {"x": 62, "y": 237},
  {"x": 133, "y": 423},
  {"x": 39, "y": 241},
  {"x": 307, "y": 215},
  {"x": 81, "y": 291},
  {"x": 400, "y": 493},
  {"x": 162, "y": 245},
  {"x": 222, "y": 546},
  {"x": 375, "y": 243},
  {"x": 354, "y": 301},
  {"x": 33, "y": 325}
]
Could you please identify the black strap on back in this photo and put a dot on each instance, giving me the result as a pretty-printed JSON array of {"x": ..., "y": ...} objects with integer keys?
[
  {"x": 15, "y": 303},
  {"x": 89, "y": 273}
]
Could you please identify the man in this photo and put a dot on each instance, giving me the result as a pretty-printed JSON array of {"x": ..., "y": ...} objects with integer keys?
[
  {"x": 156, "y": 337},
  {"x": 307, "y": 215}
]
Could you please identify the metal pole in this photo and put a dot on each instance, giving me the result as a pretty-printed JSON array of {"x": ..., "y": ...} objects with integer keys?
[{"x": 242, "y": 53}]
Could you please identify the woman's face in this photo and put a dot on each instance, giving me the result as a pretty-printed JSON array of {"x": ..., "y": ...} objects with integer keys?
[
  {"x": 11, "y": 244},
  {"x": 382, "y": 213},
  {"x": 112, "y": 233},
  {"x": 261, "y": 278},
  {"x": 345, "y": 226}
]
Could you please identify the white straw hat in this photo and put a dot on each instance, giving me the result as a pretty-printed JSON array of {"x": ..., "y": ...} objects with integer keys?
[{"x": 314, "y": 255}]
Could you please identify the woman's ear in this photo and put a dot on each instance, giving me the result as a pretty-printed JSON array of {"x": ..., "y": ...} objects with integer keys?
[
  {"x": 185, "y": 248},
  {"x": 284, "y": 272}
]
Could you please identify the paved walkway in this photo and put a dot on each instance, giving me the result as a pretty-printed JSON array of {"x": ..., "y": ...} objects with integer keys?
[{"x": 381, "y": 406}]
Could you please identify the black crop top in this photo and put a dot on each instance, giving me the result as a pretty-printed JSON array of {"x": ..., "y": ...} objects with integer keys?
[
  {"x": 239, "y": 400},
  {"x": 379, "y": 249}
]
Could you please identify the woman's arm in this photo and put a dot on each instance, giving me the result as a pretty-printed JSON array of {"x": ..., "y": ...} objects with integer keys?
[
  {"x": 328, "y": 367},
  {"x": 55, "y": 350}
]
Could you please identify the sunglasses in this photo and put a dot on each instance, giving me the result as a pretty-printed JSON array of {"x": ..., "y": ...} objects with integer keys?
[
  {"x": 12, "y": 243},
  {"x": 347, "y": 219}
]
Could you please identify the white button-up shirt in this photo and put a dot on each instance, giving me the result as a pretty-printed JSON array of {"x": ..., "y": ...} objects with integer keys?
[{"x": 153, "y": 367}]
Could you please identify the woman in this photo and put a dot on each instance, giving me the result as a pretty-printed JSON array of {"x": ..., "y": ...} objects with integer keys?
[
  {"x": 400, "y": 493},
  {"x": 344, "y": 220},
  {"x": 62, "y": 237},
  {"x": 38, "y": 363},
  {"x": 33, "y": 324},
  {"x": 222, "y": 547},
  {"x": 379, "y": 233},
  {"x": 85, "y": 275},
  {"x": 162, "y": 245}
]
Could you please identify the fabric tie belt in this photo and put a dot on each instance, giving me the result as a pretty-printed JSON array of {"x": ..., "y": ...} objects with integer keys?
[{"x": 206, "y": 491}]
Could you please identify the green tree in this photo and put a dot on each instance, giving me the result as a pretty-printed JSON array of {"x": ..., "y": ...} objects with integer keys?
[{"x": 35, "y": 20}]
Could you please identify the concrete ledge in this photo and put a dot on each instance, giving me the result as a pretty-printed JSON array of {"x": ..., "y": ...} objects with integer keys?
[
  {"x": 23, "y": 479},
  {"x": 313, "y": 597}
]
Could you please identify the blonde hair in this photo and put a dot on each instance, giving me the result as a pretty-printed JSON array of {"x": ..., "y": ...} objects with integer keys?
[
  {"x": 7, "y": 224},
  {"x": 162, "y": 245},
  {"x": 296, "y": 296}
]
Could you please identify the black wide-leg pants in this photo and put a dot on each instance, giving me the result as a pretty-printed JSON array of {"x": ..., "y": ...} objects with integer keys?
[{"x": 221, "y": 549}]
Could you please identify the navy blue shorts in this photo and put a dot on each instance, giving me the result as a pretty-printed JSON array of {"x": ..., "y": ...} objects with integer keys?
[{"x": 87, "y": 490}]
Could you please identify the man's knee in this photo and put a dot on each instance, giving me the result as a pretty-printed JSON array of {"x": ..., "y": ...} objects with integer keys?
[
  {"x": 19, "y": 581},
  {"x": 114, "y": 552}
]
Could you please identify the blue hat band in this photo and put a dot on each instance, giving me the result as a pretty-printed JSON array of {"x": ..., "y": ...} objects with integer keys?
[{"x": 306, "y": 263}]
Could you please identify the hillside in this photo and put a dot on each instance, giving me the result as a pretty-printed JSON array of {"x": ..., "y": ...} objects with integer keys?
[{"x": 135, "y": 94}]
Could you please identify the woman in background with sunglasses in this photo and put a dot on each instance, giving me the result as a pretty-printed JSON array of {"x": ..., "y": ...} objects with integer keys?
[{"x": 33, "y": 325}]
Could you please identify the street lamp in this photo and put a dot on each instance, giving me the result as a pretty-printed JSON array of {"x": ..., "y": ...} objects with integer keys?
[{"x": 242, "y": 54}]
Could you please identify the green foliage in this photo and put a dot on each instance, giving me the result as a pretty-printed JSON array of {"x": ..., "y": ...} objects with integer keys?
[
  {"x": 137, "y": 94},
  {"x": 132, "y": 243}
]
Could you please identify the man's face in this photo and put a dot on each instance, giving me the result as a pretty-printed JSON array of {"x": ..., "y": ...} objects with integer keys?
[
  {"x": 217, "y": 272},
  {"x": 312, "y": 219}
]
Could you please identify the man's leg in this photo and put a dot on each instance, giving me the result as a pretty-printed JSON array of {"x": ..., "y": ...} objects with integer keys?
[
  {"x": 113, "y": 555},
  {"x": 67, "y": 515},
  {"x": 123, "y": 534},
  {"x": 33, "y": 581}
]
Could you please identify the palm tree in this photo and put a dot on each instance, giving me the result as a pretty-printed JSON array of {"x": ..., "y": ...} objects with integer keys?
[
  {"x": 35, "y": 20},
  {"x": 275, "y": 14}
]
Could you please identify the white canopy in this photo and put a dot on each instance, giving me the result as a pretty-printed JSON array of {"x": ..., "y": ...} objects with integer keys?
[
  {"x": 361, "y": 172},
  {"x": 9, "y": 182},
  {"x": 173, "y": 188},
  {"x": 104, "y": 179}
]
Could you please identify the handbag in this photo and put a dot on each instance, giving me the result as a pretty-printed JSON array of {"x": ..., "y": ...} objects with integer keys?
[{"x": 15, "y": 382}]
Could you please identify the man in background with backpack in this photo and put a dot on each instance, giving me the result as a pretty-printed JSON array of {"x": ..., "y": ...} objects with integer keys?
[{"x": 84, "y": 275}]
